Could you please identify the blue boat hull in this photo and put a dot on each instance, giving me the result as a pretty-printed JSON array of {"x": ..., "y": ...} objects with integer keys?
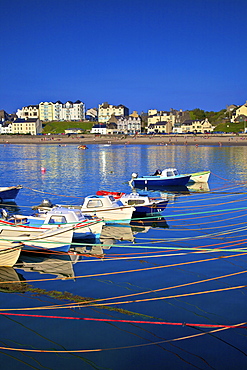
[
  {"x": 158, "y": 181},
  {"x": 152, "y": 209},
  {"x": 9, "y": 193}
]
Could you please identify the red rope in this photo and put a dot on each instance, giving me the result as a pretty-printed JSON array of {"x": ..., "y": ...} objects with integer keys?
[{"x": 126, "y": 321}]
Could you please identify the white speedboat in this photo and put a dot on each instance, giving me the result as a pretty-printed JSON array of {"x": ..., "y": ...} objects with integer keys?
[
  {"x": 49, "y": 216},
  {"x": 110, "y": 209}
]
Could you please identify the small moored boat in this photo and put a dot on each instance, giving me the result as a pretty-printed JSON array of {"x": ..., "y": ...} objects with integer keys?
[
  {"x": 56, "y": 238},
  {"x": 9, "y": 193},
  {"x": 49, "y": 216},
  {"x": 199, "y": 176},
  {"x": 166, "y": 178},
  {"x": 108, "y": 208},
  {"x": 82, "y": 147}
]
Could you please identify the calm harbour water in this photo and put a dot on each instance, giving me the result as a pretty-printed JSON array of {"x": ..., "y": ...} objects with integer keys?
[{"x": 152, "y": 273}]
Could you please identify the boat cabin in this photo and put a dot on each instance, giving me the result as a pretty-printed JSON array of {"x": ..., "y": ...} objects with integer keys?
[
  {"x": 61, "y": 215},
  {"x": 101, "y": 201},
  {"x": 55, "y": 216},
  {"x": 169, "y": 172},
  {"x": 134, "y": 199}
]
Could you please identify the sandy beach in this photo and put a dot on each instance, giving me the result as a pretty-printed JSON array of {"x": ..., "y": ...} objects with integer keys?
[{"x": 215, "y": 140}]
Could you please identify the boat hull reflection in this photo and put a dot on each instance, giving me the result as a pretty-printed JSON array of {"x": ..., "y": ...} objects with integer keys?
[
  {"x": 151, "y": 222},
  {"x": 170, "y": 189},
  {"x": 11, "y": 281},
  {"x": 200, "y": 187},
  {"x": 60, "y": 265}
]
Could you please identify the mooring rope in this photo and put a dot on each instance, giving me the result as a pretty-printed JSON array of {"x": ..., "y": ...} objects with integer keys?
[{"x": 124, "y": 347}]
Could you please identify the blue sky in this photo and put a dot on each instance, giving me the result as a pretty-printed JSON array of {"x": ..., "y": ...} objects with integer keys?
[{"x": 153, "y": 54}]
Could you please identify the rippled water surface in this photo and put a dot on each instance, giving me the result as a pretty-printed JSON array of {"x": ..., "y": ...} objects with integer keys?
[{"x": 177, "y": 284}]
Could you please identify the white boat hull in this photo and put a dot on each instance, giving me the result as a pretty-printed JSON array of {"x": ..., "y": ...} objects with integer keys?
[
  {"x": 9, "y": 254},
  {"x": 110, "y": 215},
  {"x": 200, "y": 176},
  {"x": 58, "y": 239},
  {"x": 93, "y": 230}
]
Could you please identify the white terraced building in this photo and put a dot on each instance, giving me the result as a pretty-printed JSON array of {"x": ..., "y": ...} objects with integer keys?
[
  {"x": 49, "y": 111},
  {"x": 69, "y": 111}
]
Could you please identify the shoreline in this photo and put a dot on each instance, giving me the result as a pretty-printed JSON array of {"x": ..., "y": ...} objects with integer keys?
[{"x": 195, "y": 140}]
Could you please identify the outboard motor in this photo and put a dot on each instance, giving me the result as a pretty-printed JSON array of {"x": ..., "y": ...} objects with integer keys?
[
  {"x": 3, "y": 213},
  {"x": 44, "y": 206},
  {"x": 133, "y": 177},
  {"x": 46, "y": 203}
]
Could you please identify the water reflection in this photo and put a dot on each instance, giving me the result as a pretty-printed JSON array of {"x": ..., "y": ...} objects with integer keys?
[
  {"x": 112, "y": 234},
  {"x": 87, "y": 250},
  {"x": 149, "y": 222},
  {"x": 172, "y": 192},
  {"x": 116, "y": 233},
  {"x": 76, "y": 174},
  {"x": 170, "y": 189},
  {"x": 10, "y": 206},
  {"x": 44, "y": 263},
  {"x": 200, "y": 187},
  {"x": 11, "y": 281}
]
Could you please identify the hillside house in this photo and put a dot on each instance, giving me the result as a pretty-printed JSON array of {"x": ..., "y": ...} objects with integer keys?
[{"x": 239, "y": 114}]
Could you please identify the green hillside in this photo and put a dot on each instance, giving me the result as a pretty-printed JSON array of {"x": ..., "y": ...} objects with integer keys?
[
  {"x": 58, "y": 127},
  {"x": 230, "y": 127}
]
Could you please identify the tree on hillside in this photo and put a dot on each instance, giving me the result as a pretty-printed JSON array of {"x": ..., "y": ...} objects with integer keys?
[
  {"x": 213, "y": 117},
  {"x": 197, "y": 114},
  {"x": 217, "y": 117}
]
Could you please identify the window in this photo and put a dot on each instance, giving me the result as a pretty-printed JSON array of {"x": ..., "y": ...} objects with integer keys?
[
  {"x": 132, "y": 202},
  {"x": 57, "y": 220},
  {"x": 94, "y": 203}
]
